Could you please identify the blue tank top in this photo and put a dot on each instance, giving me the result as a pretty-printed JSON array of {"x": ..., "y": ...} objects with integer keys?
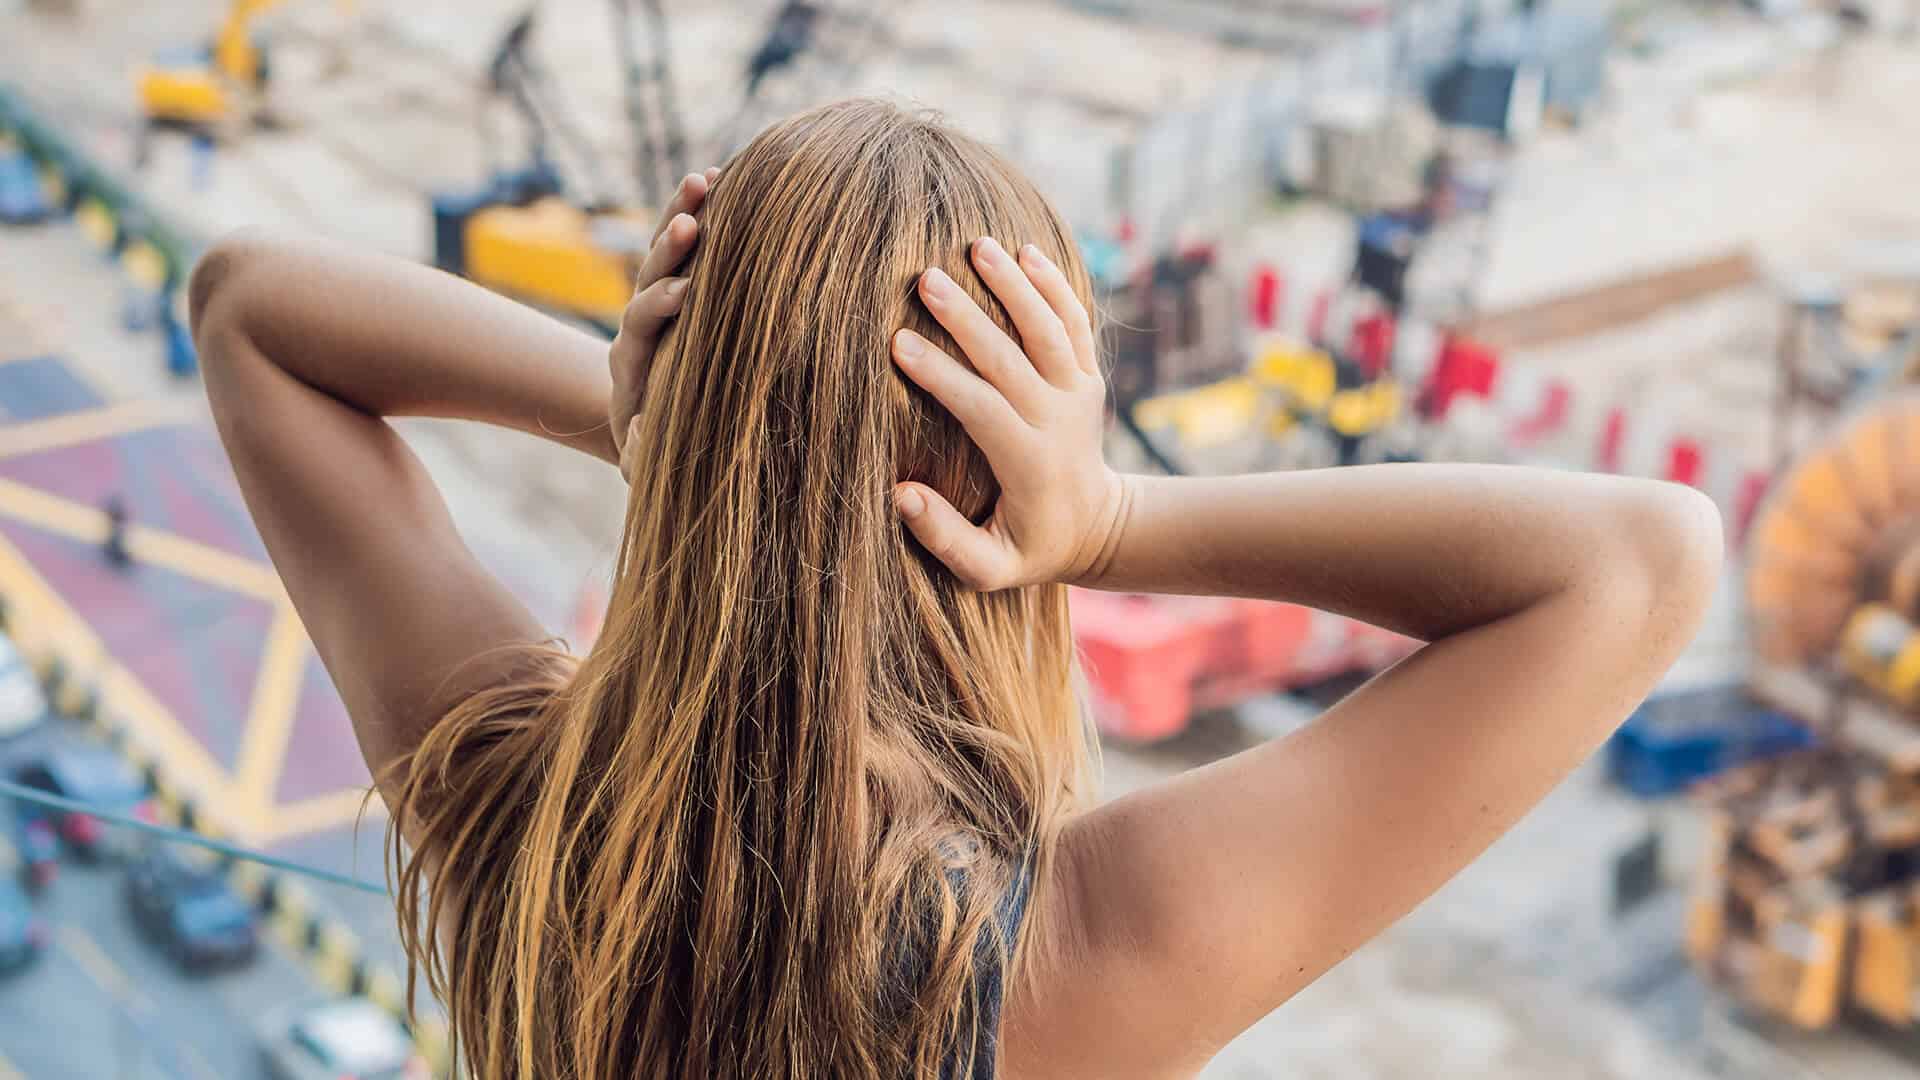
[
  {"x": 989, "y": 987},
  {"x": 989, "y": 982}
]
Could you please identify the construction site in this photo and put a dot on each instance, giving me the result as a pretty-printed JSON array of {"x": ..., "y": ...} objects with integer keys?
[{"x": 1674, "y": 240}]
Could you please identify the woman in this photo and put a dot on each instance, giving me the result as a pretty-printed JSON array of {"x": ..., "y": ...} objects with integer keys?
[{"x": 816, "y": 804}]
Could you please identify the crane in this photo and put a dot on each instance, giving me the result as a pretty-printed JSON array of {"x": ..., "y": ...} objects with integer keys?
[
  {"x": 211, "y": 87},
  {"x": 659, "y": 137},
  {"x": 557, "y": 236}
]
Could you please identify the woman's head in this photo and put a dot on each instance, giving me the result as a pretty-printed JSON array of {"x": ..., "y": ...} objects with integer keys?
[{"x": 763, "y": 828}]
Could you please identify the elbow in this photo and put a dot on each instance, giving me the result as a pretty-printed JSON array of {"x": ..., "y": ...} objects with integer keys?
[
  {"x": 214, "y": 295},
  {"x": 1667, "y": 549}
]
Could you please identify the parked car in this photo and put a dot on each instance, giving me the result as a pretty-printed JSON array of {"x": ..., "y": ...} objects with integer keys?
[
  {"x": 92, "y": 774},
  {"x": 343, "y": 1037},
  {"x": 23, "y": 704},
  {"x": 35, "y": 851},
  {"x": 22, "y": 934},
  {"x": 187, "y": 908}
]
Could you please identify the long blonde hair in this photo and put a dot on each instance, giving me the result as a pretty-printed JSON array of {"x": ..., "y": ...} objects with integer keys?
[{"x": 763, "y": 827}]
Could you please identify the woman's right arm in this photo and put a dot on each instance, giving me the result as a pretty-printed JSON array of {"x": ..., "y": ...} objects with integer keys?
[{"x": 1552, "y": 602}]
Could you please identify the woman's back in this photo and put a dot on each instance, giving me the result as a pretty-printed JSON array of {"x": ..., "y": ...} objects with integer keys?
[
  {"x": 816, "y": 804},
  {"x": 760, "y": 806}
]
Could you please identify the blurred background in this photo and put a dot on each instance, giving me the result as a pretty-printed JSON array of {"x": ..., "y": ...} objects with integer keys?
[{"x": 1664, "y": 238}]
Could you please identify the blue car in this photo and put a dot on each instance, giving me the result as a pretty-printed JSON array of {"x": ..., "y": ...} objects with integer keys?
[
  {"x": 23, "y": 200},
  {"x": 22, "y": 934},
  {"x": 86, "y": 773},
  {"x": 186, "y": 907}
]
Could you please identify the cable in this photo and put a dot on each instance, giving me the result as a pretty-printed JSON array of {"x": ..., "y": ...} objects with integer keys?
[{"x": 35, "y": 796}]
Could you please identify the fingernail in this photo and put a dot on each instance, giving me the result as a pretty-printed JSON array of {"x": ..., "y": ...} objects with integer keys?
[
  {"x": 676, "y": 286},
  {"x": 690, "y": 223},
  {"x": 713, "y": 172},
  {"x": 1034, "y": 255},
  {"x": 909, "y": 344},
  {"x": 989, "y": 249},
  {"x": 909, "y": 502}
]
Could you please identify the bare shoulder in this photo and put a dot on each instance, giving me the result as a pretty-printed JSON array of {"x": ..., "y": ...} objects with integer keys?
[{"x": 1093, "y": 999}]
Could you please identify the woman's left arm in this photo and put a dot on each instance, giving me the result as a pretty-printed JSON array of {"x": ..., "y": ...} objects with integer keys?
[{"x": 306, "y": 350}]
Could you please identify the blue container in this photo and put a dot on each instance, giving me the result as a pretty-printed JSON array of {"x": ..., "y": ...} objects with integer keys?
[
  {"x": 182, "y": 359},
  {"x": 1674, "y": 740}
]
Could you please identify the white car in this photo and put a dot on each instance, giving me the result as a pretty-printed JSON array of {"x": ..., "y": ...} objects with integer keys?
[
  {"x": 343, "y": 1037},
  {"x": 23, "y": 704}
]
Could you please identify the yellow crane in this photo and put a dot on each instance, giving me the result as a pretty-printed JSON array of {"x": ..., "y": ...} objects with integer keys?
[
  {"x": 563, "y": 238},
  {"x": 528, "y": 232},
  {"x": 213, "y": 86}
]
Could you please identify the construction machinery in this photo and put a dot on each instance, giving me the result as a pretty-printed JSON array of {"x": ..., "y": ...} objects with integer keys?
[
  {"x": 529, "y": 232},
  {"x": 1808, "y": 903},
  {"x": 549, "y": 228},
  {"x": 209, "y": 88}
]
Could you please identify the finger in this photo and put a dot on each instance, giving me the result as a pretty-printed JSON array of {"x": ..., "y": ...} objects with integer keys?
[
  {"x": 974, "y": 555},
  {"x": 712, "y": 174},
  {"x": 686, "y": 199},
  {"x": 1059, "y": 294},
  {"x": 1043, "y": 335},
  {"x": 983, "y": 411},
  {"x": 993, "y": 354},
  {"x": 667, "y": 253},
  {"x": 648, "y": 313}
]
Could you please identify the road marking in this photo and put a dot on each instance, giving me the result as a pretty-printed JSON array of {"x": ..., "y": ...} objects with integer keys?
[
  {"x": 58, "y": 431},
  {"x": 169, "y": 551},
  {"x": 270, "y": 715},
  {"x": 328, "y": 811},
  {"x": 100, "y": 967},
  {"x": 152, "y": 724}
]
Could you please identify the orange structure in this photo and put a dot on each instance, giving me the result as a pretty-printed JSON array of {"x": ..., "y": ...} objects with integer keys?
[{"x": 1806, "y": 905}]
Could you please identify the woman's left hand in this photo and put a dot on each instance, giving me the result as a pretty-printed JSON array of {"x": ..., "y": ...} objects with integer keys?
[{"x": 657, "y": 297}]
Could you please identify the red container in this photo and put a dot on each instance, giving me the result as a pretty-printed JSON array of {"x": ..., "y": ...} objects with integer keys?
[{"x": 1153, "y": 660}]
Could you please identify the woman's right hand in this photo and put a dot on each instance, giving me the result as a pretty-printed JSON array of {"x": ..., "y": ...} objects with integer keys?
[
  {"x": 1037, "y": 413},
  {"x": 657, "y": 297}
]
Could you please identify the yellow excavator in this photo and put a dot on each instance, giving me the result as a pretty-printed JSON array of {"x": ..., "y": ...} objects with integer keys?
[
  {"x": 210, "y": 88},
  {"x": 527, "y": 232},
  {"x": 567, "y": 243}
]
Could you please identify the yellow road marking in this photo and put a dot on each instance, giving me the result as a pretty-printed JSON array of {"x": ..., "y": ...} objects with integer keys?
[
  {"x": 102, "y": 970},
  {"x": 99, "y": 966},
  {"x": 8, "y": 1071},
  {"x": 151, "y": 723},
  {"x": 55, "y": 432},
  {"x": 276, "y": 695},
  {"x": 324, "y": 812},
  {"x": 88, "y": 524}
]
